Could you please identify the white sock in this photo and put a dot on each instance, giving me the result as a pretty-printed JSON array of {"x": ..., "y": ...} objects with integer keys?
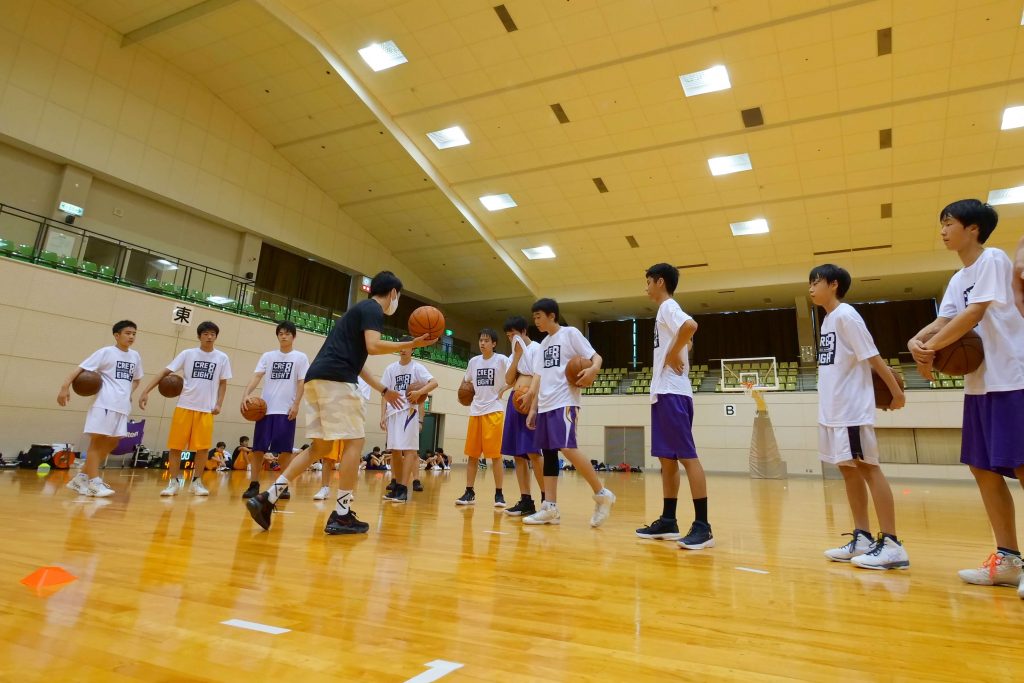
[
  {"x": 549, "y": 505},
  {"x": 344, "y": 502},
  {"x": 277, "y": 488},
  {"x": 82, "y": 475}
]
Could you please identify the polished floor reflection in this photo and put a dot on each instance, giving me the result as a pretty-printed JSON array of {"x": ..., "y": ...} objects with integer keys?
[{"x": 432, "y": 583}]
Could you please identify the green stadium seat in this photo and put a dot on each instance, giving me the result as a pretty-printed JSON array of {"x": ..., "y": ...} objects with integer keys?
[
  {"x": 5, "y": 246},
  {"x": 89, "y": 268},
  {"x": 49, "y": 258},
  {"x": 152, "y": 283},
  {"x": 24, "y": 251},
  {"x": 107, "y": 273},
  {"x": 69, "y": 263}
]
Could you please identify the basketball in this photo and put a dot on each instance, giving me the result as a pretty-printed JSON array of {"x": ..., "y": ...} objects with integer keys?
[
  {"x": 416, "y": 386},
  {"x": 574, "y": 367},
  {"x": 517, "y": 397},
  {"x": 171, "y": 386},
  {"x": 962, "y": 357},
  {"x": 87, "y": 383},
  {"x": 256, "y": 409},
  {"x": 883, "y": 397},
  {"x": 426, "y": 320},
  {"x": 466, "y": 393}
]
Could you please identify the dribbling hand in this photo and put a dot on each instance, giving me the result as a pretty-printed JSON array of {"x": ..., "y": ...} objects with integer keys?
[
  {"x": 394, "y": 399},
  {"x": 424, "y": 340}
]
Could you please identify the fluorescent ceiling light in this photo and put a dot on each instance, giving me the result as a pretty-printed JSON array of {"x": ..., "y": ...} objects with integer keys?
[
  {"x": 755, "y": 227},
  {"x": 497, "y": 202},
  {"x": 709, "y": 80},
  {"x": 534, "y": 253},
  {"x": 448, "y": 137},
  {"x": 220, "y": 300},
  {"x": 1010, "y": 195},
  {"x": 1013, "y": 117},
  {"x": 164, "y": 264},
  {"x": 730, "y": 164},
  {"x": 382, "y": 56}
]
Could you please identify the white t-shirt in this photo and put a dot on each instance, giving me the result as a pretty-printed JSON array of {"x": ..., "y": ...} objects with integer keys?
[
  {"x": 666, "y": 326},
  {"x": 203, "y": 373},
  {"x": 1001, "y": 330},
  {"x": 282, "y": 373},
  {"x": 364, "y": 389},
  {"x": 399, "y": 377},
  {"x": 487, "y": 376},
  {"x": 117, "y": 369},
  {"x": 549, "y": 362},
  {"x": 524, "y": 366},
  {"x": 846, "y": 396}
]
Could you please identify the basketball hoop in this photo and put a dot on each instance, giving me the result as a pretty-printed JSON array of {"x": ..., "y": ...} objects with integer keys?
[{"x": 748, "y": 388}]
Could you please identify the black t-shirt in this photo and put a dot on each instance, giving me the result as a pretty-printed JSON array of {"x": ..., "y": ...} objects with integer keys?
[{"x": 343, "y": 354}]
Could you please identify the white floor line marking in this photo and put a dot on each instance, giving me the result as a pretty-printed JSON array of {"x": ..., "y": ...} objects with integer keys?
[
  {"x": 253, "y": 626},
  {"x": 752, "y": 571},
  {"x": 499, "y": 533},
  {"x": 435, "y": 670},
  {"x": 284, "y": 512}
]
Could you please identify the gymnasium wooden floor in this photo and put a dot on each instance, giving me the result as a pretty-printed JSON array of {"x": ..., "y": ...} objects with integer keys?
[{"x": 432, "y": 584}]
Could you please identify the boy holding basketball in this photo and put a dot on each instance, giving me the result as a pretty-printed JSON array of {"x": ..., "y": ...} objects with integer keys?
[
  {"x": 980, "y": 297},
  {"x": 846, "y": 418},
  {"x": 402, "y": 425},
  {"x": 282, "y": 392},
  {"x": 106, "y": 423},
  {"x": 206, "y": 371},
  {"x": 486, "y": 373},
  {"x": 672, "y": 414},
  {"x": 516, "y": 438},
  {"x": 554, "y": 408}
]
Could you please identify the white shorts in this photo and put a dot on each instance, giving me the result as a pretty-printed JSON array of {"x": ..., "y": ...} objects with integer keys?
[
  {"x": 105, "y": 422},
  {"x": 404, "y": 430},
  {"x": 334, "y": 410},
  {"x": 845, "y": 445}
]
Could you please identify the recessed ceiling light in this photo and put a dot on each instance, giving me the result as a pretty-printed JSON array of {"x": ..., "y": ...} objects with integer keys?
[
  {"x": 220, "y": 300},
  {"x": 754, "y": 227},
  {"x": 382, "y": 56},
  {"x": 1010, "y": 195},
  {"x": 709, "y": 80},
  {"x": 497, "y": 202},
  {"x": 730, "y": 164},
  {"x": 448, "y": 137},
  {"x": 534, "y": 253},
  {"x": 1013, "y": 117}
]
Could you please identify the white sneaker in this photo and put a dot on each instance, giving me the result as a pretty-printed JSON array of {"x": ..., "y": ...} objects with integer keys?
[
  {"x": 859, "y": 544},
  {"x": 322, "y": 493},
  {"x": 1020, "y": 588},
  {"x": 885, "y": 553},
  {"x": 447, "y": 467},
  {"x": 603, "y": 501},
  {"x": 79, "y": 484},
  {"x": 997, "y": 570},
  {"x": 173, "y": 486},
  {"x": 197, "y": 488},
  {"x": 548, "y": 514},
  {"x": 100, "y": 489}
]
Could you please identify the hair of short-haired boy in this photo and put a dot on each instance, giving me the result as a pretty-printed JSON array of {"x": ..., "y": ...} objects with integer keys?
[
  {"x": 667, "y": 272},
  {"x": 287, "y": 326},
  {"x": 383, "y": 282},
  {"x": 972, "y": 212},
  {"x": 122, "y": 325},
  {"x": 221, "y": 444},
  {"x": 515, "y": 323},
  {"x": 832, "y": 273},
  {"x": 441, "y": 451},
  {"x": 488, "y": 332},
  {"x": 548, "y": 306},
  {"x": 243, "y": 439},
  {"x": 207, "y": 326}
]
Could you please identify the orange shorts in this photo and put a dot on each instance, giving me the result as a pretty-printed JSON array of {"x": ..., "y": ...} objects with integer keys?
[
  {"x": 483, "y": 437},
  {"x": 191, "y": 430},
  {"x": 337, "y": 448}
]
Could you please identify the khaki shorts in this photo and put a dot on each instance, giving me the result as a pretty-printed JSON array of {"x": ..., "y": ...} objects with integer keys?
[{"x": 334, "y": 410}]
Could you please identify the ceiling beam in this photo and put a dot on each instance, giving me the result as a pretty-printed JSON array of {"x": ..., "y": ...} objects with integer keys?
[{"x": 173, "y": 20}]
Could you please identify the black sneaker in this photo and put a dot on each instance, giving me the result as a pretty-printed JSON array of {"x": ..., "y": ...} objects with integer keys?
[
  {"x": 260, "y": 509},
  {"x": 523, "y": 508},
  {"x": 391, "y": 486},
  {"x": 499, "y": 500},
  {"x": 416, "y": 485},
  {"x": 699, "y": 537},
  {"x": 468, "y": 498},
  {"x": 254, "y": 488},
  {"x": 285, "y": 495},
  {"x": 401, "y": 495},
  {"x": 345, "y": 524},
  {"x": 661, "y": 529}
]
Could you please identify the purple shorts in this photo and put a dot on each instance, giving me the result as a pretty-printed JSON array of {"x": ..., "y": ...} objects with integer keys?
[
  {"x": 516, "y": 438},
  {"x": 274, "y": 434},
  {"x": 556, "y": 429},
  {"x": 672, "y": 427},
  {"x": 993, "y": 432}
]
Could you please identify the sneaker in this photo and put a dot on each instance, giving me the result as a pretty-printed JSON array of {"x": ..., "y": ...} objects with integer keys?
[
  {"x": 499, "y": 500},
  {"x": 468, "y": 498},
  {"x": 260, "y": 509},
  {"x": 416, "y": 485},
  {"x": 322, "y": 493},
  {"x": 1020, "y": 588},
  {"x": 603, "y": 502},
  {"x": 885, "y": 553},
  {"x": 100, "y": 489},
  {"x": 79, "y": 484},
  {"x": 859, "y": 544},
  {"x": 447, "y": 467},
  {"x": 998, "y": 570},
  {"x": 391, "y": 486},
  {"x": 399, "y": 495},
  {"x": 254, "y": 488},
  {"x": 392, "y": 493},
  {"x": 662, "y": 528},
  {"x": 698, "y": 537},
  {"x": 345, "y": 524},
  {"x": 197, "y": 488},
  {"x": 523, "y": 508},
  {"x": 548, "y": 514},
  {"x": 173, "y": 486}
]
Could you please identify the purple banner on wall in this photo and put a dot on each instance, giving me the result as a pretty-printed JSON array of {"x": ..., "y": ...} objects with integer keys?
[{"x": 134, "y": 438}]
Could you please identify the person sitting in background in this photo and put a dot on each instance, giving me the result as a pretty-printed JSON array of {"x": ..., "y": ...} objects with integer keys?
[
  {"x": 243, "y": 450},
  {"x": 216, "y": 459}
]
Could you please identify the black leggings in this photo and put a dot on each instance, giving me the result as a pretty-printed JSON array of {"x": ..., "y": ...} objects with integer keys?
[{"x": 550, "y": 462}]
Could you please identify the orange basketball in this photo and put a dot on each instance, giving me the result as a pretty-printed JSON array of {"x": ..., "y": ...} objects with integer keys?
[
  {"x": 416, "y": 386},
  {"x": 466, "y": 393},
  {"x": 171, "y": 386},
  {"x": 883, "y": 397},
  {"x": 962, "y": 357},
  {"x": 256, "y": 409},
  {"x": 87, "y": 383},
  {"x": 63, "y": 460},
  {"x": 426, "y": 320},
  {"x": 517, "y": 400},
  {"x": 574, "y": 367}
]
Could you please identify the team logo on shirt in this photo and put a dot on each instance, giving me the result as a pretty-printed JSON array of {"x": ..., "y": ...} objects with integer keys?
[
  {"x": 124, "y": 370},
  {"x": 203, "y": 369},
  {"x": 967, "y": 294},
  {"x": 656, "y": 344},
  {"x": 402, "y": 382},
  {"x": 281, "y": 370},
  {"x": 553, "y": 357},
  {"x": 485, "y": 377},
  {"x": 827, "y": 349}
]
